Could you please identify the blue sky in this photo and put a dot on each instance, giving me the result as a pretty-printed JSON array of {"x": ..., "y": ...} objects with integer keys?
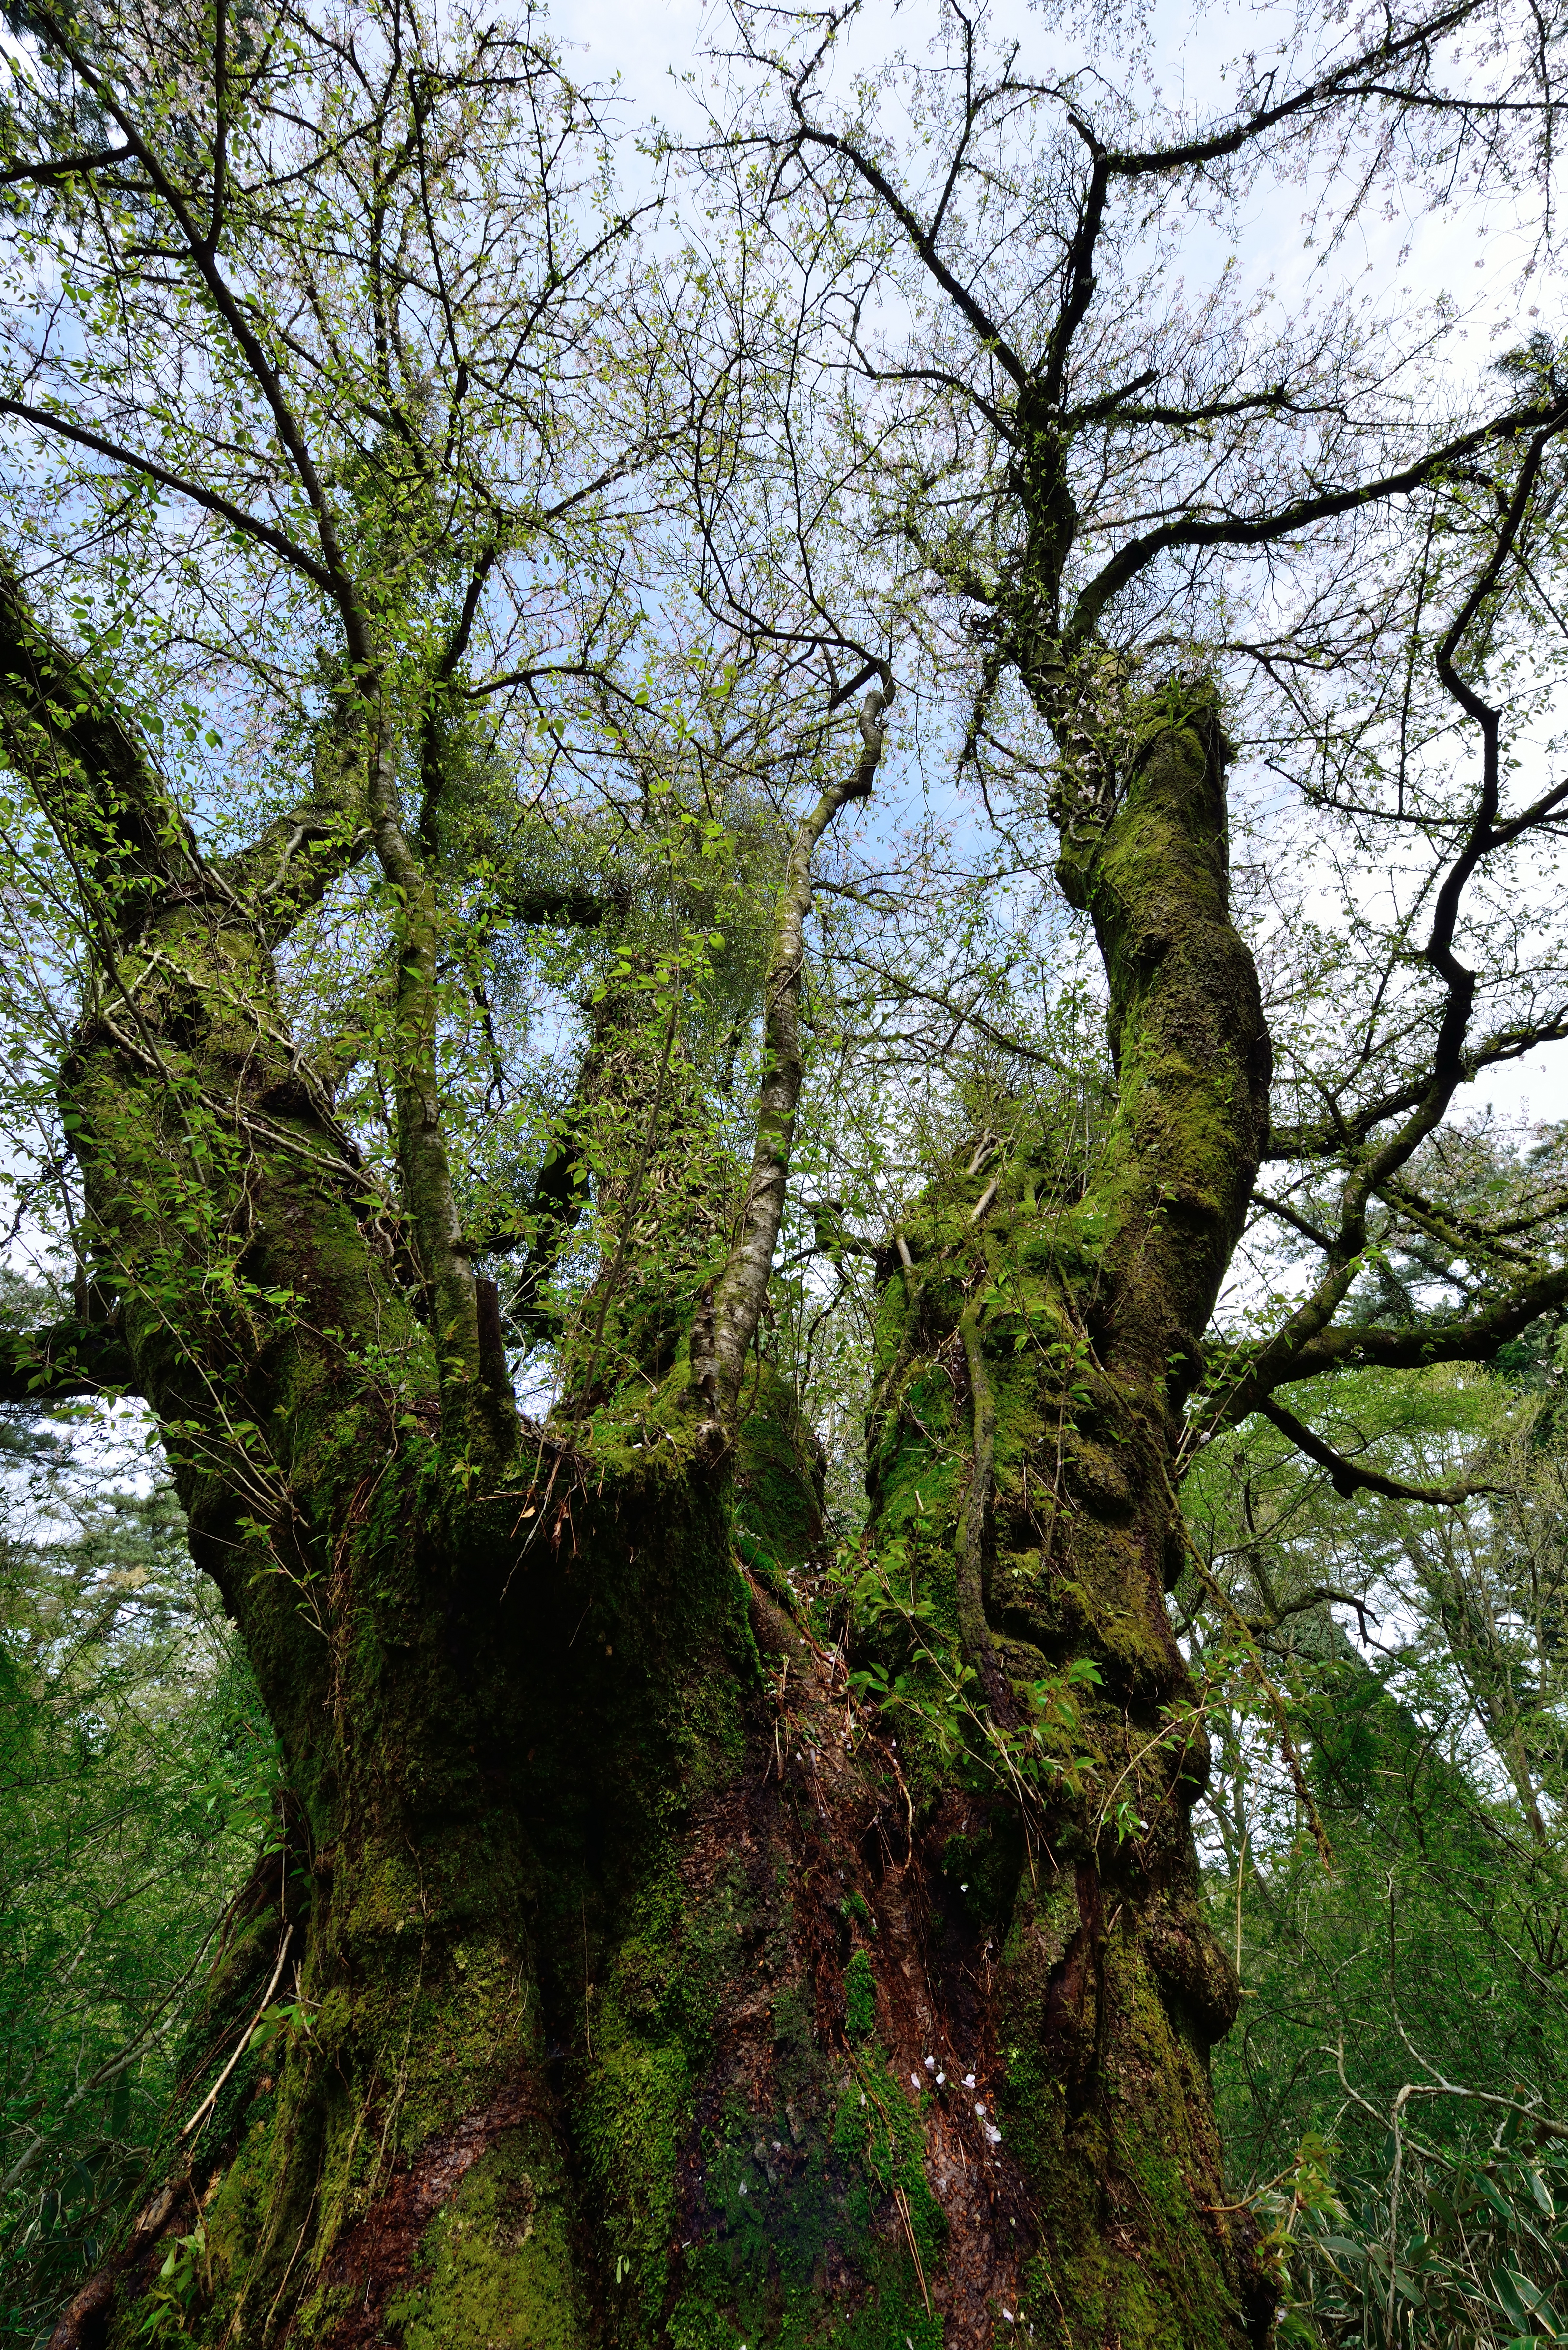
[{"x": 1471, "y": 252}]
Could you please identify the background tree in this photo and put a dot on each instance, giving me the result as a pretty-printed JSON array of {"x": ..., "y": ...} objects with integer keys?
[
  {"x": 1410, "y": 1998},
  {"x": 138, "y": 1775},
  {"x": 626, "y": 1984}
]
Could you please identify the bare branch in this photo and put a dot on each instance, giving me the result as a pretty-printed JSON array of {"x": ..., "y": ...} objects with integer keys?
[{"x": 1348, "y": 1476}]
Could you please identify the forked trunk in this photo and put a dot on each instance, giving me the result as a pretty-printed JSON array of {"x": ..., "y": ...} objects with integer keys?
[{"x": 627, "y": 1977}]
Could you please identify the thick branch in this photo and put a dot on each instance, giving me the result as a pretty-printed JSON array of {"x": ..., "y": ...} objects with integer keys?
[
  {"x": 1340, "y": 1130},
  {"x": 1349, "y": 1477},
  {"x": 720, "y": 1344},
  {"x": 61, "y": 733},
  {"x": 65, "y": 428},
  {"x": 1471, "y": 1338},
  {"x": 1078, "y": 274},
  {"x": 1295, "y": 1341},
  {"x": 555, "y": 1209},
  {"x": 292, "y": 863},
  {"x": 290, "y": 866},
  {"x": 566, "y": 910},
  {"x": 64, "y": 167},
  {"x": 920, "y": 236},
  {"x": 1188, "y": 1037},
  {"x": 1299, "y": 514},
  {"x": 468, "y": 1377},
  {"x": 1316, "y": 1595},
  {"x": 331, "y": 570},
  {"x": 1367, "y": 75}
]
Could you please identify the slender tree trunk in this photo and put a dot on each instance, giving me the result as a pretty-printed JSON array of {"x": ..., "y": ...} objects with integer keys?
[{"x": 639, "y": 1983}]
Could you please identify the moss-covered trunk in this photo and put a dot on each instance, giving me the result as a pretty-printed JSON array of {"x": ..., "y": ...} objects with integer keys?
[
  {"x": 1039, "y": 1341},
  {"x": 626, "y": 1975},
  {"x": 503, "y": 1686}
]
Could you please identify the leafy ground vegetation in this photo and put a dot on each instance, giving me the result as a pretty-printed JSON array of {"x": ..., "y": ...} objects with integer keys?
[
  {"x": 760, "y": 892},
  {"x": 1386, "y": 1862},
  {"x": 137, "y": 1779}
]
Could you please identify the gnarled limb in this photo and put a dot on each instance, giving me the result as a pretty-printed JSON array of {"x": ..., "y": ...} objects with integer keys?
[
  {"x": 293, "y": 862},
  {"x": 1411, "y": 1347},
  {"x": 1348, "y": 1476},
  {"x": 125, "y": 837}
]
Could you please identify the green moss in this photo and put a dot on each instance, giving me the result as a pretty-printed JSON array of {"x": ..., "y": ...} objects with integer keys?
[
  {"x": 777, "y": 1497},
  {"x": 859, "y": 1997},
  {"x": 513, "y": 1762},
  {"x": 496, "y": 2264},
  {"x": 650, "y": 2047},
  {"x": 1132, "y": 2155},
  {"x": 713, "y": 2314},
  {"x": 877, "y": 2134},
  {"x": 1080, "y": 1314},
  {"x": 792, "y": 2211},
  {"x": 854, "y": 1906}
]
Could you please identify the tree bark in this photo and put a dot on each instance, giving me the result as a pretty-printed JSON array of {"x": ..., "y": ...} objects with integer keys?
[
  {"x": 1039, "y": 1346},
  {"x": 642, "y": 1983}
]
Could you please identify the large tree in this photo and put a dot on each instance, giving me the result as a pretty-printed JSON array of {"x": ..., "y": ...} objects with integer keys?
[{"x": 637, "y": 1962}]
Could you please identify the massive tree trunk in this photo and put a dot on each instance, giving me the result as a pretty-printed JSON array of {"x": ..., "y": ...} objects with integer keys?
[
  {"x": 625, "y": 1974},
  {"x": 1042, "y": 1338}
]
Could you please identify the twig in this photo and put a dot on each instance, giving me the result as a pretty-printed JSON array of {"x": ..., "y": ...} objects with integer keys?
[
  {"x": 211, "y": 2099},
  {"x": 902, "y": 2200}
]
